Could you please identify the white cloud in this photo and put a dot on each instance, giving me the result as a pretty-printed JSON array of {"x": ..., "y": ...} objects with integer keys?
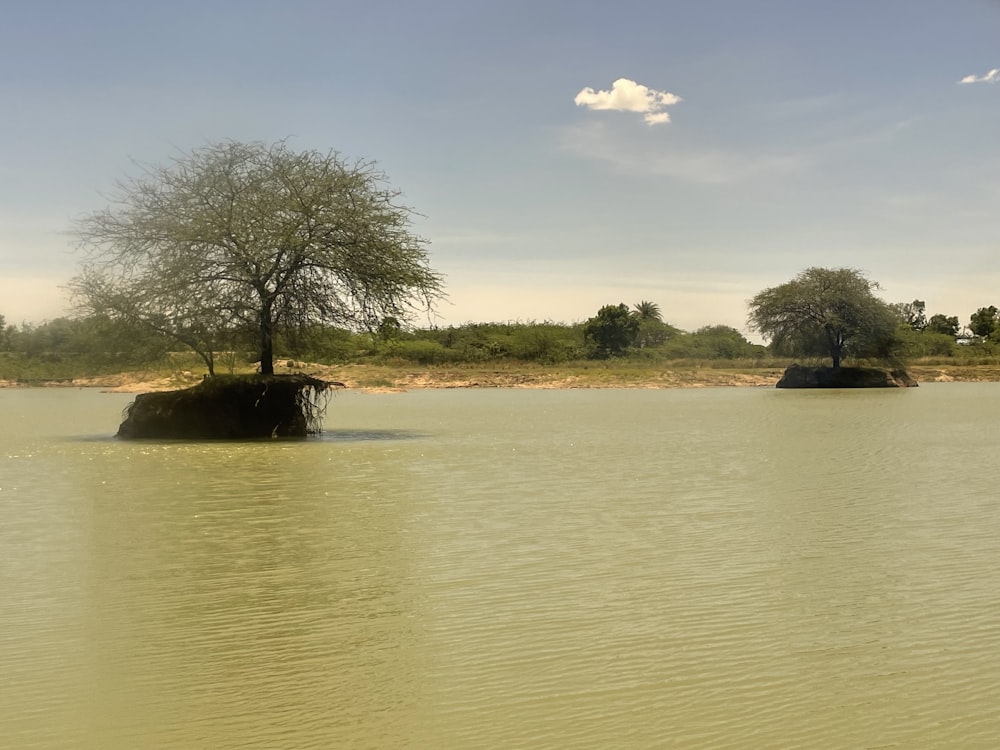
[
  {"x": 657, "y": 118},
  {"x": 992, "y": 77},
  {"x": 628, "y": 96}
]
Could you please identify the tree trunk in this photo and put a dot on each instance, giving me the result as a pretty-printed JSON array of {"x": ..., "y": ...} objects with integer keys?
[
  {"x": 209, "y": 359},
  {"x": 838, "y": 350},
  {"x": 835, "y": 342},
  {"x": 266, "y": 341}
]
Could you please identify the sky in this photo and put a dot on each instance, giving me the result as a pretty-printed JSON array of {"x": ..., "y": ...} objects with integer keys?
[{"x": 561, "y": 154}]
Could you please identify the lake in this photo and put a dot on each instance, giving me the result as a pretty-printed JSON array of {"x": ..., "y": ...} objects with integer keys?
[{"x": 565, "y": 569}]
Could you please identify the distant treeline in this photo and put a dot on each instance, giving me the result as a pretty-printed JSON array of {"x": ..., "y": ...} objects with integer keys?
[
  {"x": 74, "y": 347},
  {"x": 70, "y": 347}
]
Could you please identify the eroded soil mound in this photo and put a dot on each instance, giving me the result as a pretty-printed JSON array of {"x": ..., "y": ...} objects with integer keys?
[
  {"x": 230, "y": 407},
  {"x": 799, "y": 376}
]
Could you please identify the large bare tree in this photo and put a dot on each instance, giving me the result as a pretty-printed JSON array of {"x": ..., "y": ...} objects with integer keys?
[{"x": 237, "y": 238}]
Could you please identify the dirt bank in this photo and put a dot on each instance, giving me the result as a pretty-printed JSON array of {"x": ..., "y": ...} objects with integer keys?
[
  {"x": 386, "y": 378},
  {"x": 381, "y": 379}
]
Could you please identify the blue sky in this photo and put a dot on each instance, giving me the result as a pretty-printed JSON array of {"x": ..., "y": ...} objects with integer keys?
[{"x": 743, "y": 142}]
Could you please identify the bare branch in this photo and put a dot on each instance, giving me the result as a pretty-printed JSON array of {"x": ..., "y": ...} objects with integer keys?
[{"x": 235, "y": 233}]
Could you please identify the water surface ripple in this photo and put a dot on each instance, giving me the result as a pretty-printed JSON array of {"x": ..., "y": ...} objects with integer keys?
[{"x": 724, "y": 568}]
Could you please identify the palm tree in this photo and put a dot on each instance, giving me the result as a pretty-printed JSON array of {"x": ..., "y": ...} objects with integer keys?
[
  {"x": 646, "y": 310},
  {"x": 652, "y": 329}
]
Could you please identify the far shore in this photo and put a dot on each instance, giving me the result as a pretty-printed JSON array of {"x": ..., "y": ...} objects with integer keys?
[{"x": 388, "y": 379}]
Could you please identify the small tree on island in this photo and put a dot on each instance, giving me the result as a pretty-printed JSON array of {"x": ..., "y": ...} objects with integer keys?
[
  {"x": 238, "y": 239},
  {"x": 826, "y": 312}
]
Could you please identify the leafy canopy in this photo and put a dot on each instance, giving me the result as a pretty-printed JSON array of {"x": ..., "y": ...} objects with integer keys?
[
  {"x": 911, "y": 314},
  {"x": 943, "y": 324},
  {"x": 239, "y": 240},
  {"x": 611, "y": 332},
  {"x": 826, "y": 312},
  {"x": 984, "y": 321}
]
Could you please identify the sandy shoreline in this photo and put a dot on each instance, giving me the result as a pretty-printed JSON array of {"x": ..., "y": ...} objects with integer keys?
[{"x": 374, "y": 379}]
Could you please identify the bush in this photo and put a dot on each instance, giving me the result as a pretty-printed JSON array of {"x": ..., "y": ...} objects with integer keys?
[
  {"x": 916, "y": 344},
  {"x": 422, "y": 352},
  {"x": 330, "y": 345},
  {"x": 611, "y": 332},
  {"x": 712, "y": 342}
]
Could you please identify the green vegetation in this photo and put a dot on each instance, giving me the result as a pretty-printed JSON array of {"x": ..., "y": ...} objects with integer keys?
[
  {"x": 64, "y": 349},
  {"x": 235, "y": 244},
  {"x": 611, "y": 332},
  {"x": 643, "y": 348},
  {"x": 67, "y": 348},
  {"x": 833, "y": 313},
  {"x": 984, "y": 323},
  {"x": 943, "y": 324},
  {"x": 826, "y": 312},
  {"x": 70, "y": 348}
]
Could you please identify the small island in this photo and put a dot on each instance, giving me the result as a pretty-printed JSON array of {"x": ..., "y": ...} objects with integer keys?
[
  {"x": 834, "y": 313},
  {"x": 248, "y": 241},
  {"x": 799, "y": 376},
  {"x": 230, "y": 407}
]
